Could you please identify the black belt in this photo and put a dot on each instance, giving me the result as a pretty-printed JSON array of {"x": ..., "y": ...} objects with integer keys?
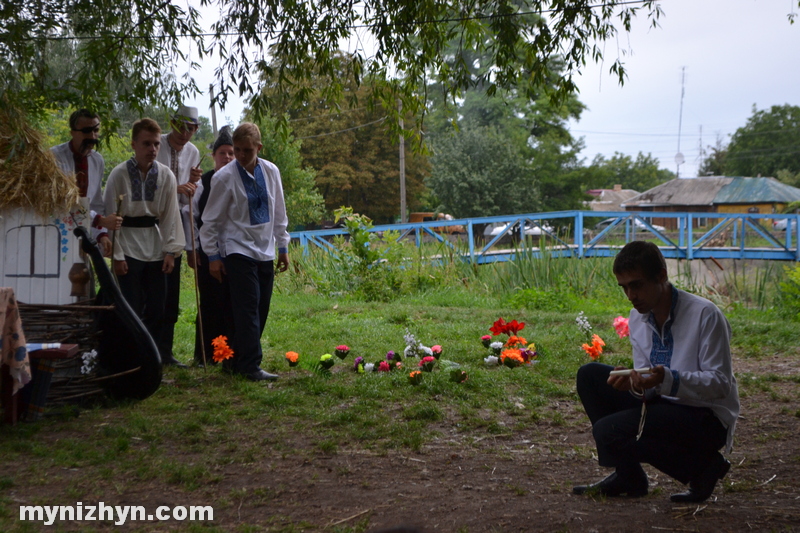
[{"x": 139, "y": 222}]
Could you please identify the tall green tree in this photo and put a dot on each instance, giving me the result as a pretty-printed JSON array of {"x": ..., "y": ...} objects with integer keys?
[
  {"x": 639, "y": 174},
  {"x": 767, "y": 144},
  {"x": 126, "y": 51}
]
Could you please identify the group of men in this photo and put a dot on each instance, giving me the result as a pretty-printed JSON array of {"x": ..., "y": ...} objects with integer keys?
[{"x": 143, "y": 221}]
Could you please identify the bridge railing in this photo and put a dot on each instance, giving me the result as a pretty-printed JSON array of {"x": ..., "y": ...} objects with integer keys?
[{"x": 574, "y": 234}]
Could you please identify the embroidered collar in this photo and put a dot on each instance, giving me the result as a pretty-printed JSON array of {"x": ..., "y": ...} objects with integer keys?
[{"x": 142, "y": 191}]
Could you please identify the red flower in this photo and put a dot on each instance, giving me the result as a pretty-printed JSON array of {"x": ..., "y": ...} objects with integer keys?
[
  {"x": 499, "y": 327},
  {"x": 514, "y": 327}
]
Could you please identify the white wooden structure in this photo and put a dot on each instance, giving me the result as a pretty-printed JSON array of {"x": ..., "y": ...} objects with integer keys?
[{"x": 36, "y": 254}]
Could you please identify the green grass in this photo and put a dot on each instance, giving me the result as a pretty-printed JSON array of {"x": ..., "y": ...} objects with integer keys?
[{"x": 199, "y": 422}]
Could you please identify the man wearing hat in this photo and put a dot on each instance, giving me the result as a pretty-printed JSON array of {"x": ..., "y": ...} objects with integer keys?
[
  {"x": 183, "y": 158},
  {"x": 215, "y": 316}
]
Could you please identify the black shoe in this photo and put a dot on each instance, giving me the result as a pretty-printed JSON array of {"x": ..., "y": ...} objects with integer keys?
[
  {"x": 171, "y": 361},
  {"x": 614, "y": 485},
  {"x": 701, "y": 488},
  {"x": 260, "y": 375}
]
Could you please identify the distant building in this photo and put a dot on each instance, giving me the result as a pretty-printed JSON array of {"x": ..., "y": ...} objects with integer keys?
[
  {"x": 715, "y": 194},
  {"x": 609, "y": 199}
]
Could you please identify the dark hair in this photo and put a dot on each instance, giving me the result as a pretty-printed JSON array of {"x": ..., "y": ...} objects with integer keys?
[
  {"x": 642, "y": 256},
  {"x": 145, "y": 124},
  {"x": 81, "y": 113}
]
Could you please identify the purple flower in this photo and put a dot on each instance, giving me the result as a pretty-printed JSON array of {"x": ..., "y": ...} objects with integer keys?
[
  {"x": 390, "y": 355},
  {"x": 359, "y": 360}
]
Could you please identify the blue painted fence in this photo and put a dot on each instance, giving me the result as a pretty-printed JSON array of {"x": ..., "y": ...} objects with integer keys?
[{"x": 567, "y": 234}]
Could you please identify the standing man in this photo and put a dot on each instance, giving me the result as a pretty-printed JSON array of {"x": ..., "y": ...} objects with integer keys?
[
  {"x": 151, "y": 237},
  {"x": 691, "y": 401},
  {"x": 182, "y": 158},
  {"x": 244, "y": 230},
  {"x": 79, "y": 158}
]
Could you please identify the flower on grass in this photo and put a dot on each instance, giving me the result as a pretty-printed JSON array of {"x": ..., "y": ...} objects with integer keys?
[
  {"x": 393, "y": 356},
  {"x": 369, "y": 367},
  {"x": 513, "y": 341},
  {"x": 293, "y": 358},
  {"x": 427, "y": 363},
  {"x": 326, "y": 361},
  {"x": 486, "y": 340},
  {"x": 499, "y": 327},
  {"x": 492, "y": 360},
  {"x": 415, "y": 377},
  {"x": 221, "y": 349},
  {"x": 384, "y": 366},
  {"x": 512, "y": 358},
  {"x": 583, "y": 324},
  {"x": 621, "y": 326},
  {"x": 458, "y": 376},
  {"x": 595, "y": 349},
  {"x": 496, "y": 347},
  {"x": 529, "y": 354},
  {"x": 436, "y": 351},
  {"x": 358, "y": 365},
  {"x": 341, "y": 351}
]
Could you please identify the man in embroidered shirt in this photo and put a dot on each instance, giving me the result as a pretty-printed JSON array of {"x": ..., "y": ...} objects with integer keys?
[
  {"x": 182, "y": 158},
  {"x": 691, "y": 401},
  {"x": 151, "y": 235},
  {"x": 79, "y": 157},
  {"x": 243, "y": 232}
]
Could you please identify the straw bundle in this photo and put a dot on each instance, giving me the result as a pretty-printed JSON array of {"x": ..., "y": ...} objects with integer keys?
[{"x": 29, "y": 176}]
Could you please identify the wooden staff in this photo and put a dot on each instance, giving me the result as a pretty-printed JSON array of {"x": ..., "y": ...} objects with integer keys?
[
  {"x": 114, "y": 239},
  {"x": 196, "y": 284}
]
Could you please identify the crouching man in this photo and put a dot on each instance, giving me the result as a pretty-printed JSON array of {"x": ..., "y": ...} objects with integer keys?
[{"x": 690, "y": 397}]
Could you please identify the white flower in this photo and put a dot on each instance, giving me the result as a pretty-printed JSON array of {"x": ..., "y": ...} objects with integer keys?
[
  {"x": 368, "y": 367},
  {"x": 583, "y": 323},
  {"x": 491, "y": 360},
  {"x": 89, "y": 362},
  {"x": 410, "y": 352},
  {"x": 496, "y": 345},
  {"x": 427, "y": 350}
]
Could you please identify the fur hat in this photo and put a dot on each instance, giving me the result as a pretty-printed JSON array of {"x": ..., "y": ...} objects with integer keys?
[{"x": 224, "y": 137}]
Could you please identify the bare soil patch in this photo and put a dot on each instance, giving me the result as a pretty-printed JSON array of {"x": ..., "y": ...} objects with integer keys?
[{"x": 516, "y": 481}]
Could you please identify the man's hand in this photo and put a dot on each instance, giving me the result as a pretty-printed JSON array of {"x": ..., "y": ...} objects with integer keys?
[
  {"x": 217, "y": 269},
  {"x": 111, "y": 222},
  {"x": 283, "y": 262},
  {"x": 120, "y": 267},
  {"x": 195, "y": 174},
  {"x": 193, "y": 259},
  {"x": 105, "y": 244},
  {"x": 655, "y": 378},
  {"x": 169, "y": 264},
  {"x": 621, "y": 383},
  {"x": 187, "y": 189}
]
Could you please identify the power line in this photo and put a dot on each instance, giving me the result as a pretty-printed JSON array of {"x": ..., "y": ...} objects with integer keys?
[{"x": 343, "y": 131}]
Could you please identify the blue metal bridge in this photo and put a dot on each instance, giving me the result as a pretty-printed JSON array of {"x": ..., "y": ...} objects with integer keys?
[{"x": 576, "y": 234}]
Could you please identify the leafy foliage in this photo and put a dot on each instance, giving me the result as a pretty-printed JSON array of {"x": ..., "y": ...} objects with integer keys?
[
  {"x": 767, "y": 144},
  {"x": 640, "y": 174}
]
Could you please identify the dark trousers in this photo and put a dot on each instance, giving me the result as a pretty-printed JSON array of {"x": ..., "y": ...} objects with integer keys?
[
  {"x": 251, "y": 291},
  {"x": 144, "y": 287},
  {"x": 171, "y": 310},
  {"x": 215, "y": 308},
  {"x": 679, "y": 440}
]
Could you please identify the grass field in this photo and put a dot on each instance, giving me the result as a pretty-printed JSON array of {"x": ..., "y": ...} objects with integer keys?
[{"x": 201, "y": 424}]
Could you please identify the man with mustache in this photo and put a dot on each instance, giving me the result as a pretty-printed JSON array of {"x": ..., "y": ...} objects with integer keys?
[{"x": 78, "y": 157}]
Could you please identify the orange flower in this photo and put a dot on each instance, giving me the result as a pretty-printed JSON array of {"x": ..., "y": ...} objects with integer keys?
[
  {"x": 514, "y": 341},
  {"x": 221, "y": 349},
  {"x": 595, "y": 349},
  {"x": 512, "y": 353},
  {"x": 292, "y": 356}
]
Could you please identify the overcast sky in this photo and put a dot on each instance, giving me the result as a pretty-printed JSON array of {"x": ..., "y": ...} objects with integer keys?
[{"x": 736, "y": 54}]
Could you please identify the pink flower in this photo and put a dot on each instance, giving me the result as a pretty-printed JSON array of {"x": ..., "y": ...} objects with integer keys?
[
  {"x": 621, "y": 325},
  {"x": 383, "y": 367},
  {"x": 436, "y": 349}
]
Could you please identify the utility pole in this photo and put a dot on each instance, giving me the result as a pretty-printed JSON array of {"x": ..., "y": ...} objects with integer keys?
[
  {"x": 679, "y": 159},
  {"x": 403, "y": 215}
]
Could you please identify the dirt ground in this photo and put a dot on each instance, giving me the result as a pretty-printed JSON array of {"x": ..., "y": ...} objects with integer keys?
[{"x": 518, "y": 482}]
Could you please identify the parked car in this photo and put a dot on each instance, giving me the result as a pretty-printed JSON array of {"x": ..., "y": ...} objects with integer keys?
[
  {"x": 781, "y": 224},
  {"x": 636, "y": 222},
  {"x": 531, "y": 230}
]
